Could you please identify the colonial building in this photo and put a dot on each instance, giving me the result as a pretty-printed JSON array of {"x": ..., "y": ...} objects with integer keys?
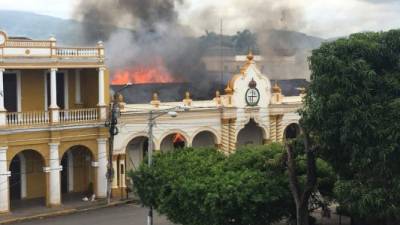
[
  {"x": 53, "y": 104},
  {"x": 252, "y": 111}
]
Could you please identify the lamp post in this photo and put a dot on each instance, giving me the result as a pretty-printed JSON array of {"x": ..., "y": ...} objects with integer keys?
[
  {"x": 153, "y": 115},
  {"x": 111, "y": 123}
]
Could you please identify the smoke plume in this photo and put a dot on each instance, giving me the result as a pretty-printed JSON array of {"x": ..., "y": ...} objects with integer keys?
[
  {"x": 154, "y": 30},
  {"x": 275, "y": 24},
  {"x": 153, "y": 34}
]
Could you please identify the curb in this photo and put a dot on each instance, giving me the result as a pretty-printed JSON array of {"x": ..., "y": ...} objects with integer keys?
[{"x": 67, "y": 212}]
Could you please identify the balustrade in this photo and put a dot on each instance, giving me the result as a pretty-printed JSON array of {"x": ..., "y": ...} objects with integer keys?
[{"x": 37, "y": 118}]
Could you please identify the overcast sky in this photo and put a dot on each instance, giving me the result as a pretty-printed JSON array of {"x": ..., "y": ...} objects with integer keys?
[{"x": 325, "y": 18}]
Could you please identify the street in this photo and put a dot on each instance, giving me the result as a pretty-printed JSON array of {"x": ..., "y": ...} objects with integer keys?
[{"x": 119, "y": 215}]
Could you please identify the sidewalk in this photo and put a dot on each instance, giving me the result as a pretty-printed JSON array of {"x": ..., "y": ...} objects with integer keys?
[{"x": 26, "y": 211}]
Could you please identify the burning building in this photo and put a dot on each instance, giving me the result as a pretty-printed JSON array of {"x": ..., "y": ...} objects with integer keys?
[{"x": 252, "y": 110}]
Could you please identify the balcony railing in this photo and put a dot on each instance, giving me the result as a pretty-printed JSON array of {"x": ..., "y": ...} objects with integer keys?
[
  {"x": 47, "y": 48},
  {"x": 27, "y": 118},
  {"x": 78, "y": 115},
  {"x": 78, "y": 52},
  {"x": 42, "y": 118}
]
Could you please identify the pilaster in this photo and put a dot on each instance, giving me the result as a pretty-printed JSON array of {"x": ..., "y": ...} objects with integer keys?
[
  {"x": 272, "y": 128},
  {"x": 53, "y": 174},
  {"x": 102, "y": 167},
  {"x": 232, "y": 135},
  {"x": 279, "y": 128},
  {"x": 4, "y": 181}
]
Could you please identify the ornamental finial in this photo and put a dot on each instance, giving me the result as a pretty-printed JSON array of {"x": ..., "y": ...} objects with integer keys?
[
  {"x": 250, "y": 56},
  {"x": 276, "y": 88}
]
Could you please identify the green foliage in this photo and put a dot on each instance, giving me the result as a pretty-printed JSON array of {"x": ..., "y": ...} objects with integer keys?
[
  {"x": 326, "y": 177},
  {"x": 352, "y": 108},
  {"x": 203, "y": 186}
]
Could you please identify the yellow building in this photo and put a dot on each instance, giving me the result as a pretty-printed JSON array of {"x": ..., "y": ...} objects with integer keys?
[{"x": 53, "y": 104}]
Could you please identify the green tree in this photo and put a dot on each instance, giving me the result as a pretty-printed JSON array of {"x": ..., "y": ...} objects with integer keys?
[
  {"x": 311, "y": 179},
  {"x": 352, "y": 109},
  {"x": 202, "y": 186}
]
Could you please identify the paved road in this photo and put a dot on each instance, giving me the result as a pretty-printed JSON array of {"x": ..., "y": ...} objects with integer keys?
[{"x": 119, "y": 215}]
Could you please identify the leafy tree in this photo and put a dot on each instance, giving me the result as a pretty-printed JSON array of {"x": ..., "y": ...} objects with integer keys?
[
  {"x": 202, "y": 186},
  {"x": 352, "y": 109},
  {"x": 311, "y": 179}
]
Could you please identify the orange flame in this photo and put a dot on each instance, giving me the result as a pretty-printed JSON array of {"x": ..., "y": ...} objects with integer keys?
[
  {"x": 156, "y": 73},
  {"x": 178, "y": 138}
]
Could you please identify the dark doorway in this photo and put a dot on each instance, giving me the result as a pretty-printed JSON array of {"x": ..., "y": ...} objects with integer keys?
[
  {"x": 10, "y": 92},
  {"x": 292, "y": 131},
  {"x": 64, "y": 174},
  {"x": 251, "y": 134},
  {"x": 145, "y": 148},
  {"x": 15, "y": 179},
  {"x": 179, "y": 144},
  {"x": 60, "y": 90},
  {"x": 173, "y": 141}
]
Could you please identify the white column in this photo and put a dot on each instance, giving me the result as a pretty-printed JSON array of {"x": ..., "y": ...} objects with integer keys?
[
  {"x": 66, "y": 91},
  {"x": 70, "y": 172},
  {"x": 23, "y": 175},
  {"x": 53, "y": 88},
  {"x": 122, "y": 173},
  {"x": 3, "y": 114},
  {"x": 19, "y": 92},
  {"x": 4, "y": 187},
  {"x": 115, "y": 180},
  {"x": 102, "y": 167},
  {"x": 101, "y": 87},
  {"x": 46, "y": 100},
  {"x": 78, "y": 99},
  {"x": 1, "y": 90},
  {"x": 54, "y": 176}
]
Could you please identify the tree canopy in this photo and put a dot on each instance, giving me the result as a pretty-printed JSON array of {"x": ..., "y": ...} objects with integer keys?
[
  {"x": 203, "y": 186},
  {"x": 199, "y": 186},
  {"x": 352, "y": 108}
]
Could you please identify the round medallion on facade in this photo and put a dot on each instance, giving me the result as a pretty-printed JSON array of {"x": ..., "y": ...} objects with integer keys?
[
  {"x": 3, "y": 37},
  {"x": 252, "y": 94}
]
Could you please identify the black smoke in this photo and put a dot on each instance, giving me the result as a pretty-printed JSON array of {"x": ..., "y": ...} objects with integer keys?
[{"x": 151, "y": 31}]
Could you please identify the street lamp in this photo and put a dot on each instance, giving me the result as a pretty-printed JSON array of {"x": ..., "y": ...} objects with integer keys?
[
  {"x": 153, "y": 115},
  {"x": 111, "y": 123}
]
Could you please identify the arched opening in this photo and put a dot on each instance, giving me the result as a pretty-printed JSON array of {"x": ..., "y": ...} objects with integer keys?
[
  {"x": 77, "y": 174},
  {"x": 28, "y": 181},
  {"x": 204, "y": 139},
  {"x": 15, "y": 179},
  {"x": 251, "y": 134},
  {"x": 172, "y": 142},
  {"x": 136, "y": 151},
  {"x": 292, "y": 131}
]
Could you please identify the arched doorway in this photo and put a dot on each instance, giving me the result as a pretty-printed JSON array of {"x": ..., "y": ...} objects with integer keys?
[
  {"x": 251, "y": 134},
  {"x": 136, "y": 151},
  {"x": 292, "y": 131},
  {"x": 204, "y": 139},
  {"x": 77, "y": 174},
  {"x": 173, "y": 141},
  {"x": 15, "y": 179},
  {"x": 28, "y": 181}
]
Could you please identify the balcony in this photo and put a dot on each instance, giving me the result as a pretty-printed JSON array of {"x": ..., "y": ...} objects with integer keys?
[
  {"x": 45, "y": 118},
  {"x": 24, "y": 53}
]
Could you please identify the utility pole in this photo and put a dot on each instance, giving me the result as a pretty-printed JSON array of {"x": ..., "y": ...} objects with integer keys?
[
  {"x": 150, "y": 159},
  {"x": 153, "y": 115},
  {"x": 222, "y": 55},
  {"x": 113, "y": 130}
]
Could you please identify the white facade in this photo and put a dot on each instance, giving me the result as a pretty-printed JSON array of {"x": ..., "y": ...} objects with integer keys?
[{"x": 241, "y": 116}]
